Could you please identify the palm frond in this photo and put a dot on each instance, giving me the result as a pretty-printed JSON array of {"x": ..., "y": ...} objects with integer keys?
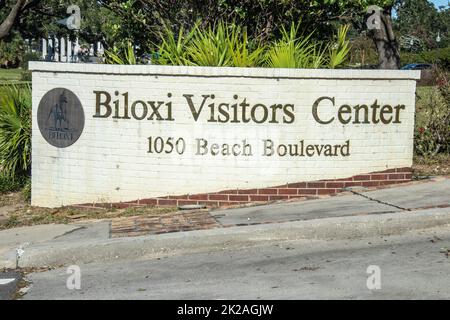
[
  {"x": 15, "y": 130},
  {"x": 338, "y": 53},
  {"x": 121, "y": 56}
]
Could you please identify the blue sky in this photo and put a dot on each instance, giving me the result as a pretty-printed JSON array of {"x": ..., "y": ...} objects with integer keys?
[{"x": 438, "y": 3}]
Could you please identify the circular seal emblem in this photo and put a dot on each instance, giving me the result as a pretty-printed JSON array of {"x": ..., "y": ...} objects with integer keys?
[{"x": 60, "y": 117}]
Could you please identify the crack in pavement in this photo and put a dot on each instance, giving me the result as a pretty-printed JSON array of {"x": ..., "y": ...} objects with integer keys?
[
  {"x": 69, "y": 232},
  {"x": 379, "y": 201}
]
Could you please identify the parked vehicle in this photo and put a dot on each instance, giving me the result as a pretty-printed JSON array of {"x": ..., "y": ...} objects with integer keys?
[{"x": 417, "y": 66}]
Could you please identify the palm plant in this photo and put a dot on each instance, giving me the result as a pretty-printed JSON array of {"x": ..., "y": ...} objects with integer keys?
[
  {"x": 15, "y": 130},
  {"x": 209, "y": 47},
  {"x": 240, "y": 49},
  {"x": 293, "y": 51},
  {"x": 172, "y": 50},
  {"x": 282, "y": 53},
  {"x": 124, "y": 56},
  {"x": 224, "y": 45},
  {"x": 317, "y": 57},
  {"x": 338, "y": 53},
  {"x": 220, "y": 45}
]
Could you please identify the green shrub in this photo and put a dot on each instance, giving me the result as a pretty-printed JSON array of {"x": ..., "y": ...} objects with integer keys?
[
  {"x": 292, "y": 51},
  {"x": 440, "y": 57},
  {"x": 209, "y": 47},
  {"x": 221, "y": 45},
  {"x": 172, "y": 48},
  {"x": 432, "y": 132},
  {"x": 26, "y": 189},
  {"x": 15, "y": 130},
  {"x": 339, "y": 52},
  {"x": 244, "y": 53},
  {"x": 9, "y": 184},
  {"x": 27, "y": 57},
  {"x": 121, "y": 55},
  {"x": 228, "y": 45},
  {"x": 25, "y": 75},
  {"x": 11, "y": 51}
]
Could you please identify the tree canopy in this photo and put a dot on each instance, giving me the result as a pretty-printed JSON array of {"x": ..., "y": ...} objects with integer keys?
[
  {"x": 141, "y": 20},
  {"x": 117, "y": 22},
  {"x": 38, "y": 19},
  {"x": 420, "y": 18}
]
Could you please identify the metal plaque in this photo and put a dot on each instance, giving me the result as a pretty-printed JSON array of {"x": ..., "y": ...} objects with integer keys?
[{"x": 60, "y": 117}]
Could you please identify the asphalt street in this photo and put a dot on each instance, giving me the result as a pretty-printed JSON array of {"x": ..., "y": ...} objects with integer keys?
[
  {"x": 414, "y": 265},
  {"x": 9, "y": 284}
]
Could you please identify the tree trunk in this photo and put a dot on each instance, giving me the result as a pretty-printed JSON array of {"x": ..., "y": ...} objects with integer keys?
[
  {"x": 386, "y": 43},
  {"x": 6, "y": 25}
]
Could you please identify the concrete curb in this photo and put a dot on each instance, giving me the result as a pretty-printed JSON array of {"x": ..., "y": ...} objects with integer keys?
[{"x": 59, "y": 253}]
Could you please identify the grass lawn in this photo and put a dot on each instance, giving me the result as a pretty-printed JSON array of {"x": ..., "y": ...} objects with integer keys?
[{"x": 10, "y": 74}]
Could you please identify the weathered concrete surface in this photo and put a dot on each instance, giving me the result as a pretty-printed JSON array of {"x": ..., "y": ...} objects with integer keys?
[
  {"x": 343, "y": 217},
  {"x": 418, "y": 195},
  {"x": 340, "y": 206},
  {"x": 426, "y": 194},
  {"x": 86, "y": 249},
  {"x": 12, "y": 239},
  {"x": 412, "y": 267},
  {"x": 86, "y": 231}
]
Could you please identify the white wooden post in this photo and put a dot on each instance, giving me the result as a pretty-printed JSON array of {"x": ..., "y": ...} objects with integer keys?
[
  {"x": 51, "y": 49},
  {"x": 56, "y": 49},
  {"x": 76, "y": 49},
  {"x": 62, "y": 48},
  {"x": 100, "y": 49},
  {"x": 44, "y": 48},
  {"x": 69, "y": 50}
]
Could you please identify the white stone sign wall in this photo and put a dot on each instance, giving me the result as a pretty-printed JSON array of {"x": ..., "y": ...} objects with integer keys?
[{"x": 151, "y": 131}]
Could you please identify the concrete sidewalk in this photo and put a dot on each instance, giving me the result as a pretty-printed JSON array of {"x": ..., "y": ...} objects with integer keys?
[
  {"x": 13, "y": 239},
  {"x": 355, "y": 215},
  {"x": 413, "y": 196}
]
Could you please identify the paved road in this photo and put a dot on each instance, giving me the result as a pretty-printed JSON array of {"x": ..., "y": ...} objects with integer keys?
[
  {"x": 8, "y": 284},
  {"x": 412, "y": 266}
]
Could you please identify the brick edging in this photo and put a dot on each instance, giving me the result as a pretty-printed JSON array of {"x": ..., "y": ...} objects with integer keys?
[{"x": 311, "y": 189}]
